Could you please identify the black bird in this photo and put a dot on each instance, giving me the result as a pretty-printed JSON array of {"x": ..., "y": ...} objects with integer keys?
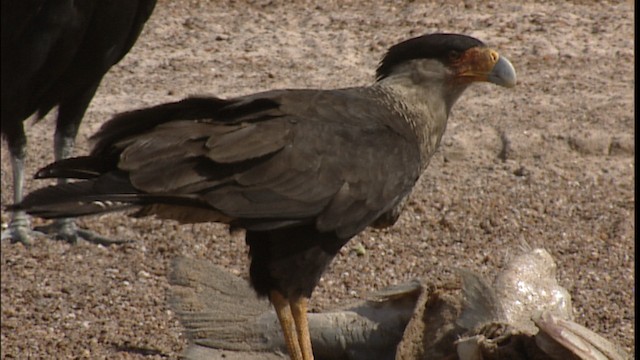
[
  {"x": 302, "y": 171},
  {"x": 55, "y": 53}
]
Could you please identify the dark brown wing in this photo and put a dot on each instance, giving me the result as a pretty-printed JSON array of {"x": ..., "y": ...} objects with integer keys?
[{"x": 339, "y": 158}]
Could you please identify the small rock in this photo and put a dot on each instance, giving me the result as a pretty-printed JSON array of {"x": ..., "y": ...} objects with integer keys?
[
  {"x": 359, "y": 249},
  {"x": 521, "y": 171}
]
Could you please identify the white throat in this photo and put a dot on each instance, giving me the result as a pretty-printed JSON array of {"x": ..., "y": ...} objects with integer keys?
[{"x": 423, "y": 93}]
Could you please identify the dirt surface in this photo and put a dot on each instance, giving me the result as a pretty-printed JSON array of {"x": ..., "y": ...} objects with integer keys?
[{"x": 550, "y": 162}]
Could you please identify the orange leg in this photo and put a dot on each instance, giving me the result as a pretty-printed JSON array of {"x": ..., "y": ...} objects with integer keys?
[
  {"x": 299, "y": 312},
  {"x": 283, "y": 310}
]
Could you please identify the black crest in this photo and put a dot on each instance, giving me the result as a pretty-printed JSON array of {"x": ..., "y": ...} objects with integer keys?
[{"x": 431, "y": 46}]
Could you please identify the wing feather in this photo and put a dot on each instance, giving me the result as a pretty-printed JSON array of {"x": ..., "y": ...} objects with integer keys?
[{"x": 248, "y": 140}]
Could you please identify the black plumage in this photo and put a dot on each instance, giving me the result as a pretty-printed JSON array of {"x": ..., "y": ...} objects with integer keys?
[
  {"x": 443, "y": 47},
  {"x": 303, "y": 171},
  {"x": 54, "y": 54}
]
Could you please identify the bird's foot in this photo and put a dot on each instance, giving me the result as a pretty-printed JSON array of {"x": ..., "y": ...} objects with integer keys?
[
  {"x": 66, "y": 230},
  {"x": 19, "y": 231}
]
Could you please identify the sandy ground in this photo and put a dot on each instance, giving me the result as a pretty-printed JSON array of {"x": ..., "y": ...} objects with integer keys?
[{"x": 550, "y": 162}]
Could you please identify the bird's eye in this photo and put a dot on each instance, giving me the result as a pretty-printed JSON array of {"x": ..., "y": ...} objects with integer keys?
[{"x": 454, "y": 55}]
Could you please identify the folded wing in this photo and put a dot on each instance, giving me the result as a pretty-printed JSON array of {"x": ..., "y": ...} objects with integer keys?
[{"x": 334, "y": 158}]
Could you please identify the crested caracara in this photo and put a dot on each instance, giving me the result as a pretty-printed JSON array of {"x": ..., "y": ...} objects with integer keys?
[{"x": 302, "y": 170}]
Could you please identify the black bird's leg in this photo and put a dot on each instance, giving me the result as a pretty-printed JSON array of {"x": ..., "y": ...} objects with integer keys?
[
  {"x": 19, "y": 229},
  {"x": 70, "y": 114}
]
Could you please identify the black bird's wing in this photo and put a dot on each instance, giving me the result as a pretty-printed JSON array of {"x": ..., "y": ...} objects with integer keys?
[
  {"x": 334, "y": 158},
  {"x": 39, "y": 40},
  {"x": 53, "y": 51}
]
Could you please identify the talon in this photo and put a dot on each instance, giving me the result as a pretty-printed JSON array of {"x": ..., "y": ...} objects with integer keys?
[
  {"x": 66, "y": 230},
  {"x": 20, "y": 232}
]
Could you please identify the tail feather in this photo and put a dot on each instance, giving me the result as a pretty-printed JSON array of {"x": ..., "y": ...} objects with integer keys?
[
  {"x": 83, "y": 167},
  {"x": 74, "y": 199},
  {"x": 107, "y": 193}
]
